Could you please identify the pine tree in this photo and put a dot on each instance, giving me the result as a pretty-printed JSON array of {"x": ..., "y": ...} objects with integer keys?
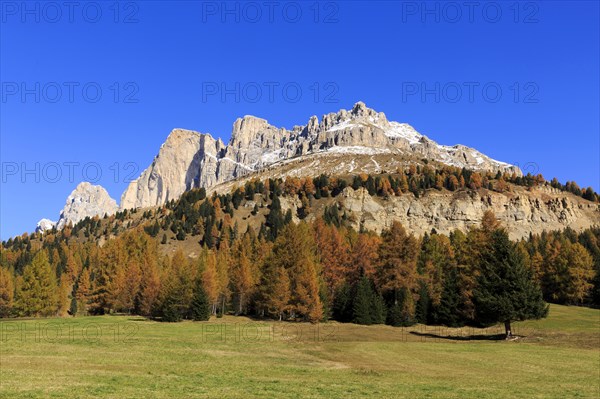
[
  {"x": 506, "y": 291},
  {"x": 177, "y": 289},
  {"x": 362, "y": 304},
  {"x": 275, "y": 219},
  {"x": 448, "y": 311},
  {"x": 379, "y": 312},
  {"x": 200, "y": 307},
  {"x": 342, "y": 304}
]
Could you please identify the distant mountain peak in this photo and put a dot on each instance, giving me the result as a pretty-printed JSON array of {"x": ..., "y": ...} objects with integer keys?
[{"x": 189, "y": 159}]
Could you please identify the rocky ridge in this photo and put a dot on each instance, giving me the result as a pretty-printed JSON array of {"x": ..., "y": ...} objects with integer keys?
[{"x": 190, "y": 159}]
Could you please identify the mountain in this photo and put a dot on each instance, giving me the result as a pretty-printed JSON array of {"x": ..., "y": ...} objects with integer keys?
[
  {"x": 345, "y": 144},
  {"x": 190, "y": 159},
  {"x": 86, "y": 200}
]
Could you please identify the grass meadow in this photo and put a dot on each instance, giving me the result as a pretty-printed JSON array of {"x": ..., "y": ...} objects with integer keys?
[{"x": 236, "y": 357}]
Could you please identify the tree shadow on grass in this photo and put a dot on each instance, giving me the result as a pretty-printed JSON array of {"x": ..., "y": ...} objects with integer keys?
[{"x": 475, "y": 337}]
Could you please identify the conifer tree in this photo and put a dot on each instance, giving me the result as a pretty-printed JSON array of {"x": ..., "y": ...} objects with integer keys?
[
  {"x": 506, "y": 291},
  {"x": 342, "y": 304},
  {"x": 242, "y": 279},
  {"x": 223, "y": 274},
  {"x": 275, "y": 290},
  {"x": 82, "y": 293},
  {"x": 37, "y": 295},
  {"x": 63, "y": 295},
  {"x": 397, "y": 273},
  {"x": 449, "y": 310},
  {"x": 294, "y": 250},
  {"x": 7, "y": 290},
  {"x": 210, "y": 280},
  {"x": 200, "y": 307},
  {"x": 149, "y": 285},
  {"x": 176, "y": 288},
  {"x": 581, "y": 274},
  {"x": 333, "y": 253},
  {"x": 362, "y": 303}
]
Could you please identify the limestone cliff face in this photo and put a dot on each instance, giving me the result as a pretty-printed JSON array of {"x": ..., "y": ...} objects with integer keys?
[
  {"x": 190, "y": 159},
  {"x": 521, "y": 212},
  {"x": 86, "y": 200},
  {"x": 175, "y": 170}
]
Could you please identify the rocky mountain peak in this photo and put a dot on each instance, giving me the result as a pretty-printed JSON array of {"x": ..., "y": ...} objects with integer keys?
[
  {"x": 87, "y": 200},
  {"x": 246, "y": 129},
  {"x": 44, "y": 225}
]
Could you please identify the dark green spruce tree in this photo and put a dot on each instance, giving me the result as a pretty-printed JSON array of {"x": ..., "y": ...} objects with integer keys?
[
  {"x": 342, "y": 304},
  {"x": 362, "y": 303},
  {"x": 200, "y": 306},
  {"x": 506, "y": 290},
  {"x": 448, "y": 312}
]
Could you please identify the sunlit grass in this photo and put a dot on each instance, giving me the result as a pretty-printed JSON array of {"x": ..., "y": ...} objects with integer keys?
[{"x": 129, "y": 357}]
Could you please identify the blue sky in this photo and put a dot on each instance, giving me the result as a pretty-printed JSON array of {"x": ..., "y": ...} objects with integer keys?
[{"x": 98, "y": 87}]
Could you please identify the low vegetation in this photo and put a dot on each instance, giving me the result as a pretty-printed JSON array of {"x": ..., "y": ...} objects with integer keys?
[{"x": 237, "y": 357}]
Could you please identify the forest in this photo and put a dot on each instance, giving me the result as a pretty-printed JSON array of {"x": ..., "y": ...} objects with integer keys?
[{"x": 311, "y": 271}]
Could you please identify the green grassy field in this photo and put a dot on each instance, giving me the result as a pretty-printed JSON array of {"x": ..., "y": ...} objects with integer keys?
[{"x": 232, "y": 357}]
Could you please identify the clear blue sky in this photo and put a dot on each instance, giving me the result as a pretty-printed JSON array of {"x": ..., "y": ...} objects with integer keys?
[{"x": 160, "y": 66}]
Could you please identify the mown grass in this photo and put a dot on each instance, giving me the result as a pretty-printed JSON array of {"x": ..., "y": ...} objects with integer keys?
[{"x": 129, "y": 357}]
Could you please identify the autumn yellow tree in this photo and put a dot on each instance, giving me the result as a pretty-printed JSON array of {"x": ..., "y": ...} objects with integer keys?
[
  {"x": 364, "y": 257},
  {"x": 242, "y": 279},
  {"x": 294, "y": 251},
  {"x": 397, "y": 273},
  {"x": 210, "y": 279},
  {"x": 37, "y": 294},
  {"x": 333, "y": 255},
  {"x": 7, "y": 290},
  {"x": 82, "y": 295},
  {"x": 65, "y": 288}
]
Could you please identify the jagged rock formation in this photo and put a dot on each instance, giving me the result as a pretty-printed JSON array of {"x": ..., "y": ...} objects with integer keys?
[
  {"x": 189, "y": 159},
  {"x": 175, "y": 169},
  {"x": 86, "y": 200},
  {"x": 44, "y": 225}
]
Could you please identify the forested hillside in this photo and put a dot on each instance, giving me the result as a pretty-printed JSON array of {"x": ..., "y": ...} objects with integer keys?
[{"x": 240, "y": 253}]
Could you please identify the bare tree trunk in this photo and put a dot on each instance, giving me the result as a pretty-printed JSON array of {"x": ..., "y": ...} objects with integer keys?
[{"x": 507, "y": 329}]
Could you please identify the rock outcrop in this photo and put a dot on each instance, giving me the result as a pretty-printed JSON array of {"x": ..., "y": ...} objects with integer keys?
[
  {"x": 44, "y": 225},
  {"x": 186, "y": 160},
  {"x": 86, "y": 200},
  {"x": 189, "y": 159},
  {"x": 521, "y": 211}
]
